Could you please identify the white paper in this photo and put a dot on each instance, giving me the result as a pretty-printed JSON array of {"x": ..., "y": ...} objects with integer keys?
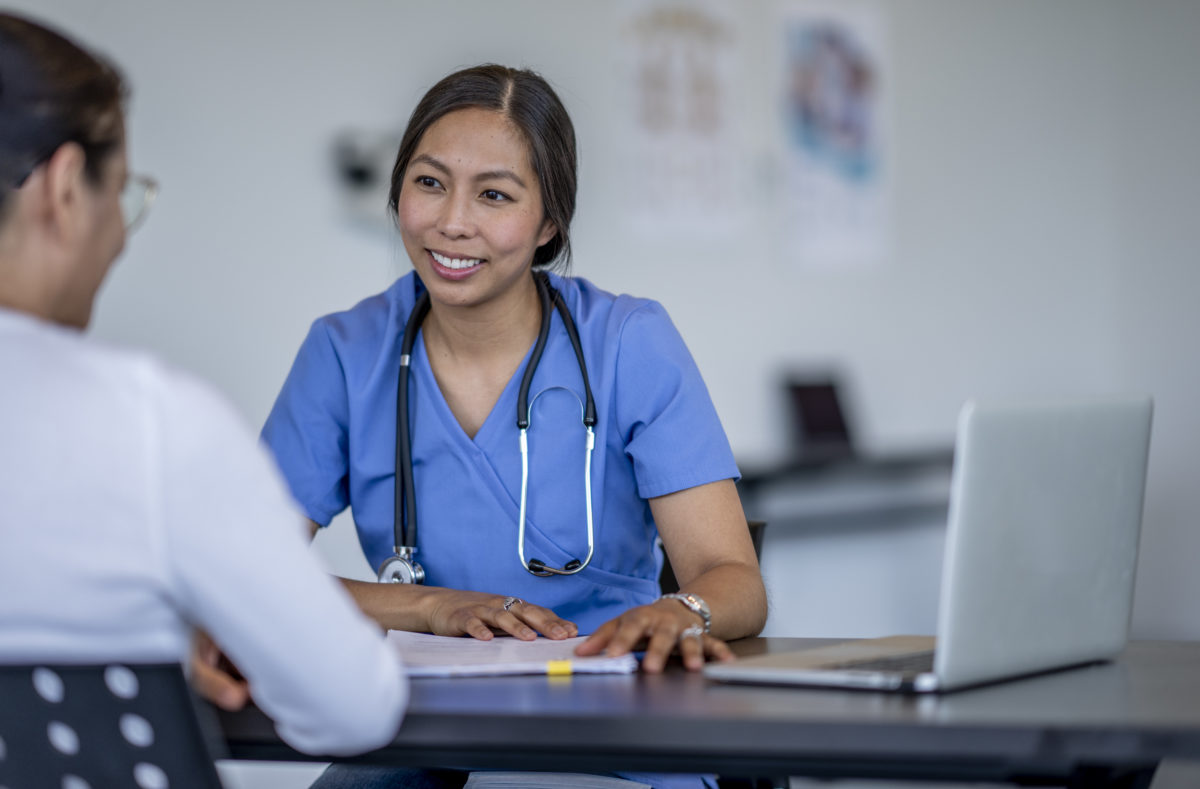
[{"x": 442, "y": 656}]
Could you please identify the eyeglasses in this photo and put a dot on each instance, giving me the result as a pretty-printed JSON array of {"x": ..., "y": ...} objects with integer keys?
[
  {"x": 136, "y": 198},
  {"x": 137, "y": 195}
]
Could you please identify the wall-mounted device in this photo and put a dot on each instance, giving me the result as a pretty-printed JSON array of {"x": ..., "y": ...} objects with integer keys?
[{"x": 363, "y": 162}]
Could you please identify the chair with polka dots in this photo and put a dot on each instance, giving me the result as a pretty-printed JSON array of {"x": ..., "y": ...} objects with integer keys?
[{"x": 103, "y": 727}]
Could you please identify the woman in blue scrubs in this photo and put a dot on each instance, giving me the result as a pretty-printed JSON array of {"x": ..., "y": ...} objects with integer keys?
[{"x": 483, "y": 192}]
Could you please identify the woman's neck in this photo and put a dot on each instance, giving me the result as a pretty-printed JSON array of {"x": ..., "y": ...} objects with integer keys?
[
  {"x": 496, "y": 330},
  {"x": 28, "y": 283}
]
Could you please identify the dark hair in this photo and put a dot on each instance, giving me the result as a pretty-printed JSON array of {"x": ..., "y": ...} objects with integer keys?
[
  {"x": 52, "y": 92},
  {"x": 527, "y": 100}
]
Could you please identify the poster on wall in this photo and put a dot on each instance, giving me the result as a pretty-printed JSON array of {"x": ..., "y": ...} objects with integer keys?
[
  {"x": 833, "y": 194},
  {"x": 678, "y": 70}
]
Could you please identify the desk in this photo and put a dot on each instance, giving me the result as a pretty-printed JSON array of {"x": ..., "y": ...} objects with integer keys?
[{"x": 1105, "y": 725}]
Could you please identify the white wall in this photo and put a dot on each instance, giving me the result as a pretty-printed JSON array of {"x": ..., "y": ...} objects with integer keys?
[
  {"x": 1044, "y": 197},
  {"x": 1155, "y": 313}
]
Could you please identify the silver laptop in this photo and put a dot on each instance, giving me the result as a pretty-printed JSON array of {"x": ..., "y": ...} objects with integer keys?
[{"x": 1045, "y": 512}]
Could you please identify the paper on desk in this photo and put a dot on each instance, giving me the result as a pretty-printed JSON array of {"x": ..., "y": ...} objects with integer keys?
[{"x": 444, "y": 656}]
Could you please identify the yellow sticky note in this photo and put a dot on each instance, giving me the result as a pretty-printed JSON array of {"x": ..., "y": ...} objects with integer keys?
[{"x": 558, "y": 668}]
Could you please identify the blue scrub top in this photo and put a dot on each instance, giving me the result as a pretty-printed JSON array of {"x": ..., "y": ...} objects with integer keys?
[{"x": 333, "y": 432}]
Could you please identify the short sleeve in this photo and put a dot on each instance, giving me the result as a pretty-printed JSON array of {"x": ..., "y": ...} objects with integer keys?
[
  {"x": 672, "y": 432},
  {"x": 307, "y": 428}
]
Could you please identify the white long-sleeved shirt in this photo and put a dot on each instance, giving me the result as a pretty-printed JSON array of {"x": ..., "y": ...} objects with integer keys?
[{"x": 134, "y": 506}]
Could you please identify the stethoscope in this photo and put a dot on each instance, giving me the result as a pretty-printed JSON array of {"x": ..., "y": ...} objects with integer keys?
[{"x": 402, "y": 567}]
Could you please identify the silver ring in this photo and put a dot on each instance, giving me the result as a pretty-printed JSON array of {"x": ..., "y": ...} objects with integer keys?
[
  {"x": 695, "y": 631},
  {"x": 509, "y": 602}
]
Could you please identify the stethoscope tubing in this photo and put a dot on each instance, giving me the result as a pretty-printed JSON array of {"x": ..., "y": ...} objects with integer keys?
[
  {"x": 533, "y": 565},
  {"x": 406, "y": 503}
]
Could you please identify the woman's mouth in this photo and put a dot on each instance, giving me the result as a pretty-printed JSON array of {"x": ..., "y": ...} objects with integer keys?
[{"x": 454, "y": 264}]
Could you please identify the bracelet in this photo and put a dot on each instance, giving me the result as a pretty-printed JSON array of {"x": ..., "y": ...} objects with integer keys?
[{"x": 693, "y": 603}]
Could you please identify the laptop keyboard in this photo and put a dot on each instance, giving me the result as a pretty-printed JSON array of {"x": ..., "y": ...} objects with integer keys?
[{"x": 910, "y": 663}]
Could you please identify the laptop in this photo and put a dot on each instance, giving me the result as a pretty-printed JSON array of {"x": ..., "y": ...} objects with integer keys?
[{"x": 1041, "y": 546}]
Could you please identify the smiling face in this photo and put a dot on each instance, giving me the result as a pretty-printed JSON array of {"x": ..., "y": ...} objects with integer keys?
[{"x": 470, "y": 209}]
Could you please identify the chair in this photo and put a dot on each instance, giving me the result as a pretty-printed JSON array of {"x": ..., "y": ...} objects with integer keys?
[
  {"x": 103, "y": 727},
  {"x": 666, "y": 579}
]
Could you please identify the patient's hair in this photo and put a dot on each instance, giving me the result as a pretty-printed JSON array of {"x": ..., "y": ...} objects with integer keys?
[{"x": 52, "y": 92}]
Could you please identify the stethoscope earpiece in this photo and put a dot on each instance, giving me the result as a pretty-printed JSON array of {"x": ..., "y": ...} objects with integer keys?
[{"x": 540, "y": 568}]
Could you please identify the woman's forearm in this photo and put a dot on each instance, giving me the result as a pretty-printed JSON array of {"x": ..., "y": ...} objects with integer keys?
[
  {"x": 393, "y": 606},
  {"x": 455, "y": 612}
]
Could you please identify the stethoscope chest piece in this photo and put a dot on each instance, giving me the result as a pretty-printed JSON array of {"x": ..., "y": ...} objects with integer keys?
[{"x": 401, "y": 568}]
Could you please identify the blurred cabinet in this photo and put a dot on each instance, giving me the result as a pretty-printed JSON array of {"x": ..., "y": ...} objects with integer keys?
[{"x": 854, "y": 545}]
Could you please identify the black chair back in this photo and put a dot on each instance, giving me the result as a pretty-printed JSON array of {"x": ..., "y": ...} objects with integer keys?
[
  {"x": 666, "y": 579},
  {"x": 103, "y": 727}
]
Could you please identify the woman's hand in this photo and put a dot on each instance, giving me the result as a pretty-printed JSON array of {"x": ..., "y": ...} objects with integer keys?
[
  {"x": 213, "y": 677},
  {"x": 661, "y": 627},
  {"x": 455, "y": 613},
  {"x": 704, "y": 532}
]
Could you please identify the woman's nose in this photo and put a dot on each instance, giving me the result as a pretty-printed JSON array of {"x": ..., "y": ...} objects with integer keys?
[{"x": 455, "y": 220}]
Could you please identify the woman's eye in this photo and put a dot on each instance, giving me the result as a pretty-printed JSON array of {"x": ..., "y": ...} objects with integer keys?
[
  {"x": 493, "y": 195},
  {"x": 428, "y": 181}
]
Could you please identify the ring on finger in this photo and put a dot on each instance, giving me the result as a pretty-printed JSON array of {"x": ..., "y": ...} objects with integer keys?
[
  {"x": 695, "y": 631},
  {"x": 509, "y": 602}
]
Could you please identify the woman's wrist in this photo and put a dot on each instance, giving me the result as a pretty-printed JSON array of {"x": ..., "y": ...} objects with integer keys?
[
  {"x": 695, "y": 604},
  {"x": 395, "y": 606}
]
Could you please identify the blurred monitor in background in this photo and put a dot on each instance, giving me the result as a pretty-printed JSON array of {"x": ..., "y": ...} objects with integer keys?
[{"x": 819, "y": 427}]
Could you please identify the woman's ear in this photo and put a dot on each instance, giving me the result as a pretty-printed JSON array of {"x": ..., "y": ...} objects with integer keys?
[
  {"x": 64, "y": 177},
  {"x": 548, "y": 232}
]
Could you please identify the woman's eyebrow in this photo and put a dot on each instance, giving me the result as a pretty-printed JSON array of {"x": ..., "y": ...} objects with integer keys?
[
  {"x": 425, "y": 158},
  {"x": 488, "y": 175},
  {"x": 492, "y": 175}
]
